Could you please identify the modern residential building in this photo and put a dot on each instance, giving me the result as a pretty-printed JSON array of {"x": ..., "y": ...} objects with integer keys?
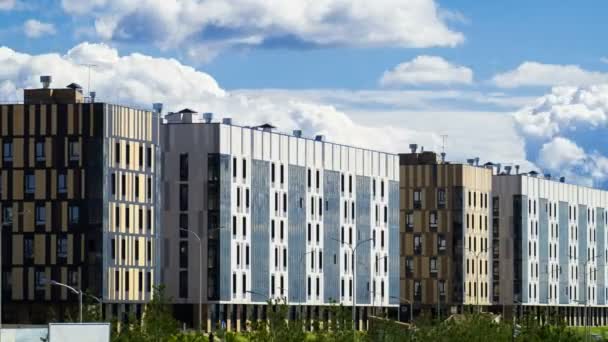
[
  {"x": 277, "y": 215},
  {"x": 78, "y": 203},
  {"x": 552, "y": 246},
  {"x": 445, "y": 237}
]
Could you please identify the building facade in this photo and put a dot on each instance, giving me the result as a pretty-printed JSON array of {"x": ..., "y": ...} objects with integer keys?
[
  {"x": 444, "y": 234},
  {"x": 78, "y": 204},
  {"x": 552, "y": 247},
  {"x": 277, "y": 215}
]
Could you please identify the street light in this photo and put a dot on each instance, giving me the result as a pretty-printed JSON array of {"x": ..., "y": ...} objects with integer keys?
[
  {"x": 302, "y": 258},
  {"x": 354, "y": 263},
  {"x": 78, "y": 292}
]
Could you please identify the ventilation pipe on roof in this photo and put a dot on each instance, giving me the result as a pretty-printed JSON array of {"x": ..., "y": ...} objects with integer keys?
[
  {"x": 413, "y": 147},
  {"x": 443, "y": 157},
  {"x": 227, "y": 121},
  {"x": 508, "y": 169},
  {"x": 46, "y": 81},
  {"x": 297, "y": 133},
  {"x": 92, "y": 95},
  {"x": 158, "y": 107},
  {"x": 470, "y": 161},
  {"x": 207, "y": 117},
  {"x": 320, "y": 137},
  {"x": 562, "y": 179},
  {"x": 476, "y": 161},
  {"x": 516, "y": 169}
]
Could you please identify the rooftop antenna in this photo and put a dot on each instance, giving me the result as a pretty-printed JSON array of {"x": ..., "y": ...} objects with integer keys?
[{"x": 89, "y": 66}]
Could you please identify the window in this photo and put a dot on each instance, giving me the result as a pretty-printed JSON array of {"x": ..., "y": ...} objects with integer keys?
[
  {"x": 309, "y": 232},
  {"x": 382, "y": 189},
  {"x": 149, "y": 190},
  {"x": 73, "y": 214},
  {"x": 234, "y": 172},
  {"x": 136, "y": 252},
  {"x": 282, "y": 230},
  {"x": 149, "y": 251},
  {"x": 149, "y": 156},
  {"x": 128, "y": 154},
  {"x": 309, "y": 285},
  {"x": 282, "y": 175},
  {"x": 74, "y": 150},
  {"x": 40, "y": 215},
  {"x": 409, "y": 220},
  {"x": 183, "y": 254},
  {"x": 417, "y": 199},
  {"x": 342, "y": 183},
  {"x": 417, "y": 244},
  {"x": 149, "y": 219},
  {"x": 433, "y": 220},
  {"x": 141, "y": 164},
  {"x": 318, "y": 180},
  {"x": 271, "y": 227},
  {"x": 123, "y": 249},
  {"x": 350, "y": 184},
  {"x": 318, "y": 233},
  {"x": 433, "y": 265},
  {"x": 28, "y": 247},
  {"x": 247, "y": 198},
  {"x": 284, "y": 203},
  {"x": 30, "y": 183},
  {"x": 183, "y": 167},
  {"x": 40, "y": 281},
  {"x": 7, "y": 216},
  {"x": 62, "y": 184},
  {"x": 244, "y": 169},
  {"x": 247, "y": 255},
  {"x": 441, "y": 243},
  {"x": 441, "y": 198},
  {"x": 40, "y": 155},
  {"x": 183, "y": 197},
  {"x": 7, "y": 151},
  {"x": 442, "y": 288},
  {"x": 244, "y": 226},
  {"x": 417, "y": 290},
  {"x": 62, "y": 247}
]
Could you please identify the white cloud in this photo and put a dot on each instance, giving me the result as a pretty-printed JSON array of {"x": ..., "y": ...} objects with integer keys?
[
  {"x": 565, "y": 108},
  {"x": 604, "y": 60},
  {"x": 427, "y": 70},
  {"x": 36, "y": 29},
  {"x": 6, "y": 5},
  {"x": 539, "y": 74},
  {"x": 190, "y": 24},
  {"x": 564, "y": 157},
  {"x": 141, "y": 80}
]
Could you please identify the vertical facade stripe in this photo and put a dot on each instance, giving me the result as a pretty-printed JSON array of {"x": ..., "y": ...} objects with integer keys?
[
  {"x": 543, "y": 251},
  {"x": 564, "y": 275},
  {"x": 331, "y": 225},
  {"x": 260, "y": 237},
  {"x": 225, "y": 225},
  {"x": 363, "y": 232},
  {"x": 602, "y": 257},
  {"x": 296, "y": 233},
  {"x": 582, "y": 252},
  {"x": 393, "y": 243}
]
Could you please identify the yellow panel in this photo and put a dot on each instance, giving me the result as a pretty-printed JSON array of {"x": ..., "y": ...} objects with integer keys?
[
  {"x": 70, "y": 183},
  {"x": 70, "y": 249},
  {"x": 18, "y": 152},
  {"x": 80, "y": 119},
  {"x": 18, "y": 184},
  {"x": 18, "y": 120},
  {"x": 43, "y": 120},
  {"x": 17, "y": 249},
  {"x": 18, "y": 286},
  {"x": 40, "y": 190},
  {"x": 70, "y": 119},
  {"x": 4, "y": 114},
  {"x": 32, "y": 118},
  {"x": 48, "y": 152},
  {"x": 28, "y": 217},
  {"x": 31, "y": 153},
  {"x": 54, "y": 119}
]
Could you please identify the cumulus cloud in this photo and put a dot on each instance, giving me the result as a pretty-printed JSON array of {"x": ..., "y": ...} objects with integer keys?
[
  {"x": 190, "y": 24},
  {"x": 539, "y": 74},
  {"x": 6, "y": 5},
  {"x": 427, "y": 70},
  {"x": 140, "y": 80},
  {"x": 36, "y": 29},
  {"x": 565, "y": 158},
  {"x": 565, "y": 108}
]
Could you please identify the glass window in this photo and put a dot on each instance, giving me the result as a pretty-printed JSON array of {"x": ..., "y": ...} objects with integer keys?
[
  {"x": 74, "y": 214},
  {"x": 183, "y": 167},
  {"x": 7, "y": 216},
  {"x": 63, "y": 188},
  {"x": 40, "y": 156},
  {"x": 7, "y": 151},
  {"x": 441, "y": 198},
  {"x": 433, "y": 265},
  {"x": 30, "y": 183},
  {"x": 40, "y": 215},
  {"x": 433, "y": 218},
  {"x": 74, "y": 150},
  {"x": 417, "y": 199},
  {"x": 62, "y": 247}
]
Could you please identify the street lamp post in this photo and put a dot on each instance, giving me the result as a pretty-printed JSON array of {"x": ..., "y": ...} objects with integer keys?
[
  {"x": 302, "y": 258},
  {"x": 200, "y": 277},
  {"x": 78, "y": 292}
]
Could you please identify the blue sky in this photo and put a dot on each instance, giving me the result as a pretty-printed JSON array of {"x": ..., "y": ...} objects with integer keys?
[{"x": 462, "y": 68}]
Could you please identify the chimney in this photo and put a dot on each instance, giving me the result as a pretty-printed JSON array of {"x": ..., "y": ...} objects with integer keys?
[
  {"x": 508, "y": 169},
  {"x": 297, "y": 133},
  {"x": 516, "y": 169},
  {"x": 92, "y": 94},
  {"x": 46, "y": 81},
  {"x": 227, "y": 121},
  {"x": 207, "y": 117},
  {"x": 413, "y": 147},
  {"x": 562, "y": 179},
  {"x": 158, "y": 107},
  {"x": 320, "y": 138}
]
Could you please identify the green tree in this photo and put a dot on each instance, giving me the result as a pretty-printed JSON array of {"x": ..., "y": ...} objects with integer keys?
[{"x": 158, "y": 323}]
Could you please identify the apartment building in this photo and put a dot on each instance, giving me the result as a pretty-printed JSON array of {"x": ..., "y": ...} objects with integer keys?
[
  {"x": 551, "y": 244},
  {"x": 277, "y": 215},
  {"x": 78, "y": 203},
  {"x": 444, "y": 234}
]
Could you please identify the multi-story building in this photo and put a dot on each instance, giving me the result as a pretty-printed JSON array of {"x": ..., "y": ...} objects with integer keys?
[
  {"x": 445, "y": 237},
  {"x": 78, "y": 203},
  {"x": 552, "y": 246},
  {"x": 277, "y": 215}
]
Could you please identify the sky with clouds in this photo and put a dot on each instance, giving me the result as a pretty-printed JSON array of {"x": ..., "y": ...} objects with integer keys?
[{"x": 517, "y": 83}]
